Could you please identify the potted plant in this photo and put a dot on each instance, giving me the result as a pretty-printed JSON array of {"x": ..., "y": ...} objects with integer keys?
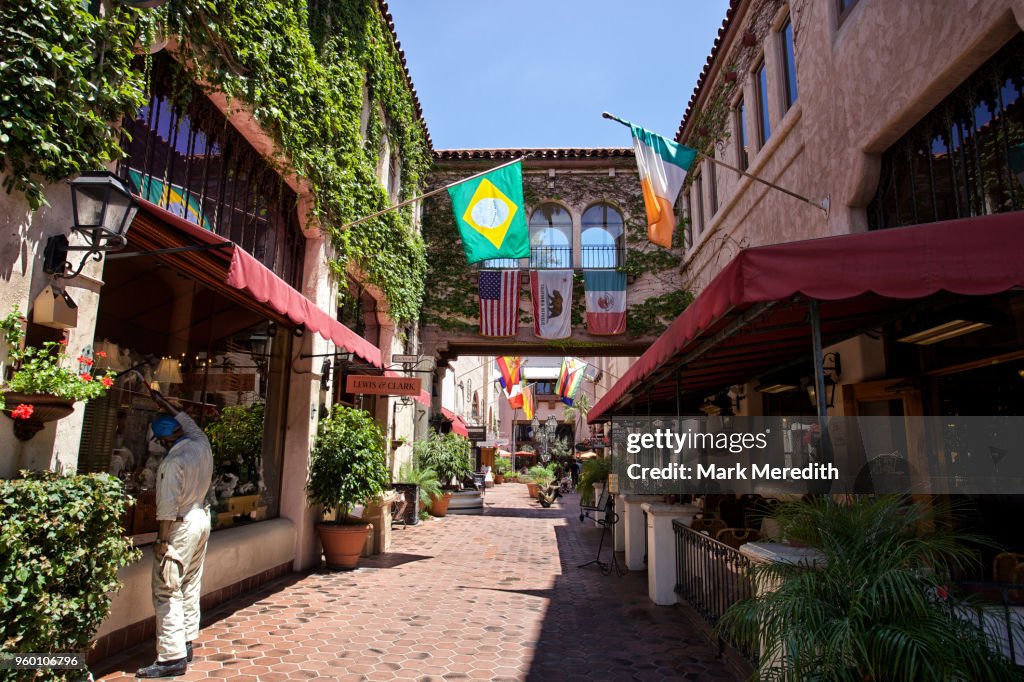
[
  {"x": 595, "y": 470},
  {"x": 424, "y": 485},
  {"x": 42, "y": 387},
  {"x": 876, "y": 605},
  {"x": 348, "y": 466},
  {"x": 501, "y": 468},
  {"x": 448, "y": 455},
  {"x": 540, "y": 477}
]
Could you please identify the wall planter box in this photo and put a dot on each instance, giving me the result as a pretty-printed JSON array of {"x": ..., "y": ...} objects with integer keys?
[{"x": 45, "y": 408}]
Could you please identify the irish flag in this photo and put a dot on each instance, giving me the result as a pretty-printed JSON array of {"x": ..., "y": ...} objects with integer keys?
[
  {"x": 663, "y": 166},
  {"x": 606, "y": 301}
]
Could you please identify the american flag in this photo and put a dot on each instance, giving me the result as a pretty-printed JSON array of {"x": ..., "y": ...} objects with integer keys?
[{"x": 499, "y": 302}]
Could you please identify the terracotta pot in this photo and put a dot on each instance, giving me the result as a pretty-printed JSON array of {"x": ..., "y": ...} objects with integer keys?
[
  {"x": 439, "y": 505},
  {"x": 343, "y": 543},
  {"x": 45, "y": 408},
  {"x": 499, "y": 479},
  {"x": 532, "y": 489}
]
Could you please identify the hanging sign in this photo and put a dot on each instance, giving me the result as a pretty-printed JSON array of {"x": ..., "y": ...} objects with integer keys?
[{"x": 374, "y": 385}]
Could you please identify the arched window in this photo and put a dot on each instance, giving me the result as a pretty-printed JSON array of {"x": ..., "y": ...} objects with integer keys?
[
  {"x": 550, "y": 237},
  {"x": 476, "y": 406},
  {"x": 603, "y": 239}
]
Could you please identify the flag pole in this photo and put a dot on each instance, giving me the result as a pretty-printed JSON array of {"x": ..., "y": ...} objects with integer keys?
[
  {"x": 822, "y": 205},
  {"x": 433, "y": 192}
]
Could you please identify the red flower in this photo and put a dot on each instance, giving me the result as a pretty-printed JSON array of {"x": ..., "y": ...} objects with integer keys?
[
  {"x": 23, "y": 411},
  {"x": 63, "y": 342},
  {"x": 86, "y": 376},
  {"x": 101, "y": 353},
  {"x": 85, "y": 361},
  {"x": 107, "y": 381}
]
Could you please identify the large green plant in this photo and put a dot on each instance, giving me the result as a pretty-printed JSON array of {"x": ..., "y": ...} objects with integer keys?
[
  {"x": 425, "y": 478},
  {"x": 447, "y": 454},
  {"x": 594, "y": 470},
  {"x": 65, "y": 74},
  {"x": 876, "y": 607},
  {"x": 541, "y": 475},
  {"x": 348, "y": 463},
  {"x": 61, "y": 545}
]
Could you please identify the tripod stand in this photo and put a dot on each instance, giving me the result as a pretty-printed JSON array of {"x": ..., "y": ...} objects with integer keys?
[{"x": 607, "y": 523}]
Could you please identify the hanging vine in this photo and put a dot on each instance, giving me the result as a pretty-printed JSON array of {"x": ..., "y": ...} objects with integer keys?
[{"x": 301, "y": 73}]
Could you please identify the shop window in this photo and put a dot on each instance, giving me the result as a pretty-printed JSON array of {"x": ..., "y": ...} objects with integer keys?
[
  {"x": 227, "y": 367},
  {"x": 764, "y": 128},
  {"x": 955, "y": 162},
  {"x": 742, "y": 145},
  {"x": 788, "y": 63},
  {"x": 189, "y": 161},
  {"x": 550, "y": 237},
  {"x": 603, "y": 237}
]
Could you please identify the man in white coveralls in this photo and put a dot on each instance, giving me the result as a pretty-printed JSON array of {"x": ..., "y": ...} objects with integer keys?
[{"x": 183, "y": 480}]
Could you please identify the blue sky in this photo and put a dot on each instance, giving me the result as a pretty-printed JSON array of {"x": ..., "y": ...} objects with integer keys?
[{"x": 538, "y": 73}]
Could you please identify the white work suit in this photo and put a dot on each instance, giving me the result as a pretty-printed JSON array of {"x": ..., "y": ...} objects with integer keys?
[{"x": 183, "y": 480}]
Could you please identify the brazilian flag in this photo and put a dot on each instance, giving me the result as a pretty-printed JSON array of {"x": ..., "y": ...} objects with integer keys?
[{"x": 490, "y": 213}]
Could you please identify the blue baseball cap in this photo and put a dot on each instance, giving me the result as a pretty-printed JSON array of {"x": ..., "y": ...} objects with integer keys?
[{"x": 163, "y": 426}]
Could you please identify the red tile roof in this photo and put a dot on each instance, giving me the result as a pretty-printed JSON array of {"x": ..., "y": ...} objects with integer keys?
[
  {"x": 730, "y": 14},
  {"x": 553, "y": 153}
]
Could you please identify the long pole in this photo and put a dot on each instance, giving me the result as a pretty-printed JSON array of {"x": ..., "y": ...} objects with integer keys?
[
  {"x": 822, "y": 205},
  {"x": 433, "y": 192}
]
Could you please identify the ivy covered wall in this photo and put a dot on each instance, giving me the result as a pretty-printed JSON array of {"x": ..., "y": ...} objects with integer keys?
[
  {"x": 654, "y": 298},
  {"x": 303, "y": 74}
]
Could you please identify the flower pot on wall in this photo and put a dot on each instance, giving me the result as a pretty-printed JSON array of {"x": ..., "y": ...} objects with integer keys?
[
  {"x": 343, "y": 543},
  {"x": 41, "y": 408}
]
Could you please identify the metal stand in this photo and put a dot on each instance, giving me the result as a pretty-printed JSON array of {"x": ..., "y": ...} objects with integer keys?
[{"x": 607, "y": 523}]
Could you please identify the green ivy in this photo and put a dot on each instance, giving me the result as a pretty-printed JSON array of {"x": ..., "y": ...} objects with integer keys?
[
  {"x": 61, "y": 545},
  {"x": 64, "y": 75}
]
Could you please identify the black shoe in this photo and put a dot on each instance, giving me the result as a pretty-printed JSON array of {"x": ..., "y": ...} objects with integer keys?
[
  {"x": 164, "y": 669},
  {"x": 188, "y": 651}
]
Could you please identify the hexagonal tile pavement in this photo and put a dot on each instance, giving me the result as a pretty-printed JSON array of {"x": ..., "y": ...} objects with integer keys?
[{"x": 497, "y": 596}]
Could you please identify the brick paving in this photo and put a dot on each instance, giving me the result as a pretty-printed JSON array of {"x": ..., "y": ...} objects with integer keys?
[{"x": 491, "y": 597}]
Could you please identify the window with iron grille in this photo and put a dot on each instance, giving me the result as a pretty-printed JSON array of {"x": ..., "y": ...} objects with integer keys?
[
  {"x": 603, "y": 238},
  {"x": 189, "y": 160},
  {"x": 954, "y": 163},
  {"x": 551, "y": 238}
]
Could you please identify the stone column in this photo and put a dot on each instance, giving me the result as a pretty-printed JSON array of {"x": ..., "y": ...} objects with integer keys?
[
  {"x": 661, "y": 548},
  {"x": 620, "y": 527},
  {"x": 634, "y": 530},
  {"x": 777, "y": 552}
]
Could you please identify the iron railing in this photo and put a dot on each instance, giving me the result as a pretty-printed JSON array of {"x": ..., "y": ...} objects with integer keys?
[
  {"x": 551, "y": 257},
  {"x": 711, "y": 576},
  {"x": 600, "y": 257},
  {"x": 999, "y": 615}
]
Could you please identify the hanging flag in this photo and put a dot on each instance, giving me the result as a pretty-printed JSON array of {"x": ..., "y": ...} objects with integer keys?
[
  {"x": 173, "y": 198},
  {"x": 570, "y": 378},
  {"x": 552, "y": 303},
  {"x": 515, "y": 396},
  {"x": 606, "y": 302},
  {"x": 499, "y": 302},
  {"x": 490, "y": 216},
  {"x": 663, "y": 166},
  {"x": 529, "y": 400},
  {"x": 509, "y": 366}
]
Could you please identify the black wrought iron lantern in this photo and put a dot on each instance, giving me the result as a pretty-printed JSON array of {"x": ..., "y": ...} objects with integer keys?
[{"x": 103, "y": 209}]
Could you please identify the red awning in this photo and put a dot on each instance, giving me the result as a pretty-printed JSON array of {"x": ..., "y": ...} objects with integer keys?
[
  {"x": 752, "y": 316},
  {"x": 458, "y": 426},
  {"x": 248, "y": 275}
]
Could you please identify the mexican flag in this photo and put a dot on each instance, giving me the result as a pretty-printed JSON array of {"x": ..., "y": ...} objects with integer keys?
[
  {"x": 490, "y": 215},
  {"x": 663, "y": 166},
  {"x": 606, "y": 302}
]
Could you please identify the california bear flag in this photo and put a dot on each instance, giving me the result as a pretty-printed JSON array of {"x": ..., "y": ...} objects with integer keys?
[
  {"x": 552, "y": 303},
  {"x": 606, "y": 302}
]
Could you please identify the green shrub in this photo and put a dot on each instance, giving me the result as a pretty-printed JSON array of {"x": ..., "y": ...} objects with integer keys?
[
  {"x": 348, "y": 464},
  {"x": 446, "y": 454},
  {"x": 426, "y": 479},
  {"x": 540, "y": 475},
  {"x": 61, "y": 544},
  {"x": 502, "y": 466},
  {"x": 237, "y": 437},
  {"x": 594, "y": 470}
]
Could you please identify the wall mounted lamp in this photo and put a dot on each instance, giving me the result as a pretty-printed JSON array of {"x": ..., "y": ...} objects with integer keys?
[
  {"x": 832, "y": 374},
  {"x": 103, "y": 210}
]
